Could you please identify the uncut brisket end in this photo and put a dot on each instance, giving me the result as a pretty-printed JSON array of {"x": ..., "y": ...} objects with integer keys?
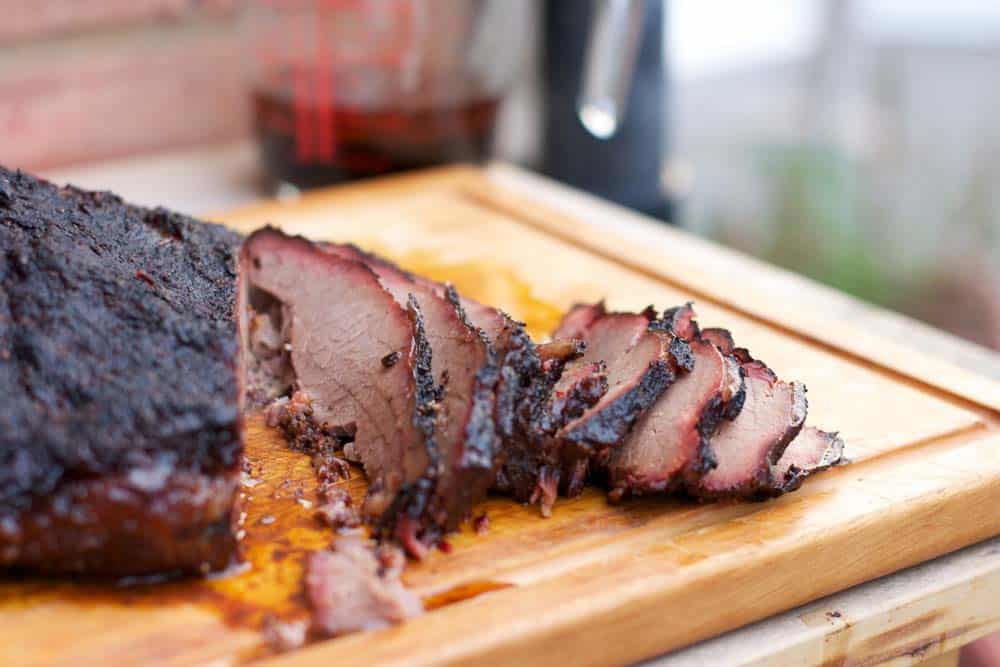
[
  {"x": 358, "y": 357},
  {"x": 120, "y": 428},
  {"x": 670, "y": 446}
]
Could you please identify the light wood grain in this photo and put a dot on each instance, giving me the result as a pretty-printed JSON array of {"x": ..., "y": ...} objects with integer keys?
[
  {"x": 595, "y": 584},
  {"x": 899, "y": 620}
]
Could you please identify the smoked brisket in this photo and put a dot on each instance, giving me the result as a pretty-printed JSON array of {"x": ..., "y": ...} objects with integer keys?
[
  {"x": 464, "y": 365},
  {"x": 747, "y": 449},
  {"x": 810, "y": 452},
  {"x": 121, "y": 429},
  {"x": 670, "y": 445},
  {"x": 625, "y": 366}
]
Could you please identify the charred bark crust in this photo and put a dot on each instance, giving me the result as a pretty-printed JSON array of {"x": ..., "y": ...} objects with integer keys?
[
  {"x": 531, "y": 459},
  {"x": 431, "y": 510},
  {"x": 403, "y": 517},
  {"x": 476, "y": 466},
  {"x": 613, "y": 423},
  {"x": 118, "y": 353}
]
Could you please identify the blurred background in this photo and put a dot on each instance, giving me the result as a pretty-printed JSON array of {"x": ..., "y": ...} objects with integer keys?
[{"x": 853, "y": 141}]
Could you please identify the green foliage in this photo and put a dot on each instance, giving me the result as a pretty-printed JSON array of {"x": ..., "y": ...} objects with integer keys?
[{"x": 821, "y": 226}]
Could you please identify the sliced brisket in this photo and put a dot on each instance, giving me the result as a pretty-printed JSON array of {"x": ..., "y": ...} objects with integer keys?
[
  {"x": 350, "y": 589},
  {"x": 464, "y": 365},
  {"x": 513, "y": 397},
  {"x": 670, "y": 445},
  {"x": 517, "y": 400},
  {"x": 578, "y": 319},
  {"x": 341, "y": 324},
  {"x": 641, "y": 362},
  {"x": 810, "y": 452},
  {"x": 748, "y": 447},
  {"x": 120, "y": 423},
  {"x": 593, "y": 402}
]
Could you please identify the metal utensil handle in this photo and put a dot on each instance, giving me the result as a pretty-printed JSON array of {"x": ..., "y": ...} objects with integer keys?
[{"x": 615, "y": 33}]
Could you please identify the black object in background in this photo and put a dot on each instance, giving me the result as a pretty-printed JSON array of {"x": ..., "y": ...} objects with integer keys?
[{"x": 626, "y": 167}]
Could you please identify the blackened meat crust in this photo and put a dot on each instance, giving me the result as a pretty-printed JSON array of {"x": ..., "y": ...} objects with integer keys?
[
  {"x": 403, "y": 518},
  {"x": 475, "y": 467},
  {"x": 611, "y": 424},
  {"x": 556, "y": 394},
  {"x": 118, "y": 353}
]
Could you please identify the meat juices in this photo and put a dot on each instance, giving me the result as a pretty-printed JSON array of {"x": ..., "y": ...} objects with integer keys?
[{"x": 121, "y": 429}]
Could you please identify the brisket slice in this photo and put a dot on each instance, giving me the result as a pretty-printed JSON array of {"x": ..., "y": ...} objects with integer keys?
[
  {"x": 618, "y": 368},
  {"x": 748, "y": 448},
  {"x": 120, "y": 425},
  {"x": 344, "y": 328},
  {"x": 810, "y": 452},
  {"x": 641, "y": 363},
  {"x": 531, "y": 466},
  {"x": 578, "y": 319},
  {"x": 353, "y": 587},
  {"x": 670, "y": 445},
  {"x": 464, "y": 365}
]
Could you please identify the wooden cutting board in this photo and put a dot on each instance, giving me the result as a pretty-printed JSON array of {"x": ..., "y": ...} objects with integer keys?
[{"x": 595, "y": 584}]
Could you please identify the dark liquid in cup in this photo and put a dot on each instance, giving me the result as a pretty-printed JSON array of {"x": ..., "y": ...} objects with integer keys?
[{"x": 315, "y": 143}]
